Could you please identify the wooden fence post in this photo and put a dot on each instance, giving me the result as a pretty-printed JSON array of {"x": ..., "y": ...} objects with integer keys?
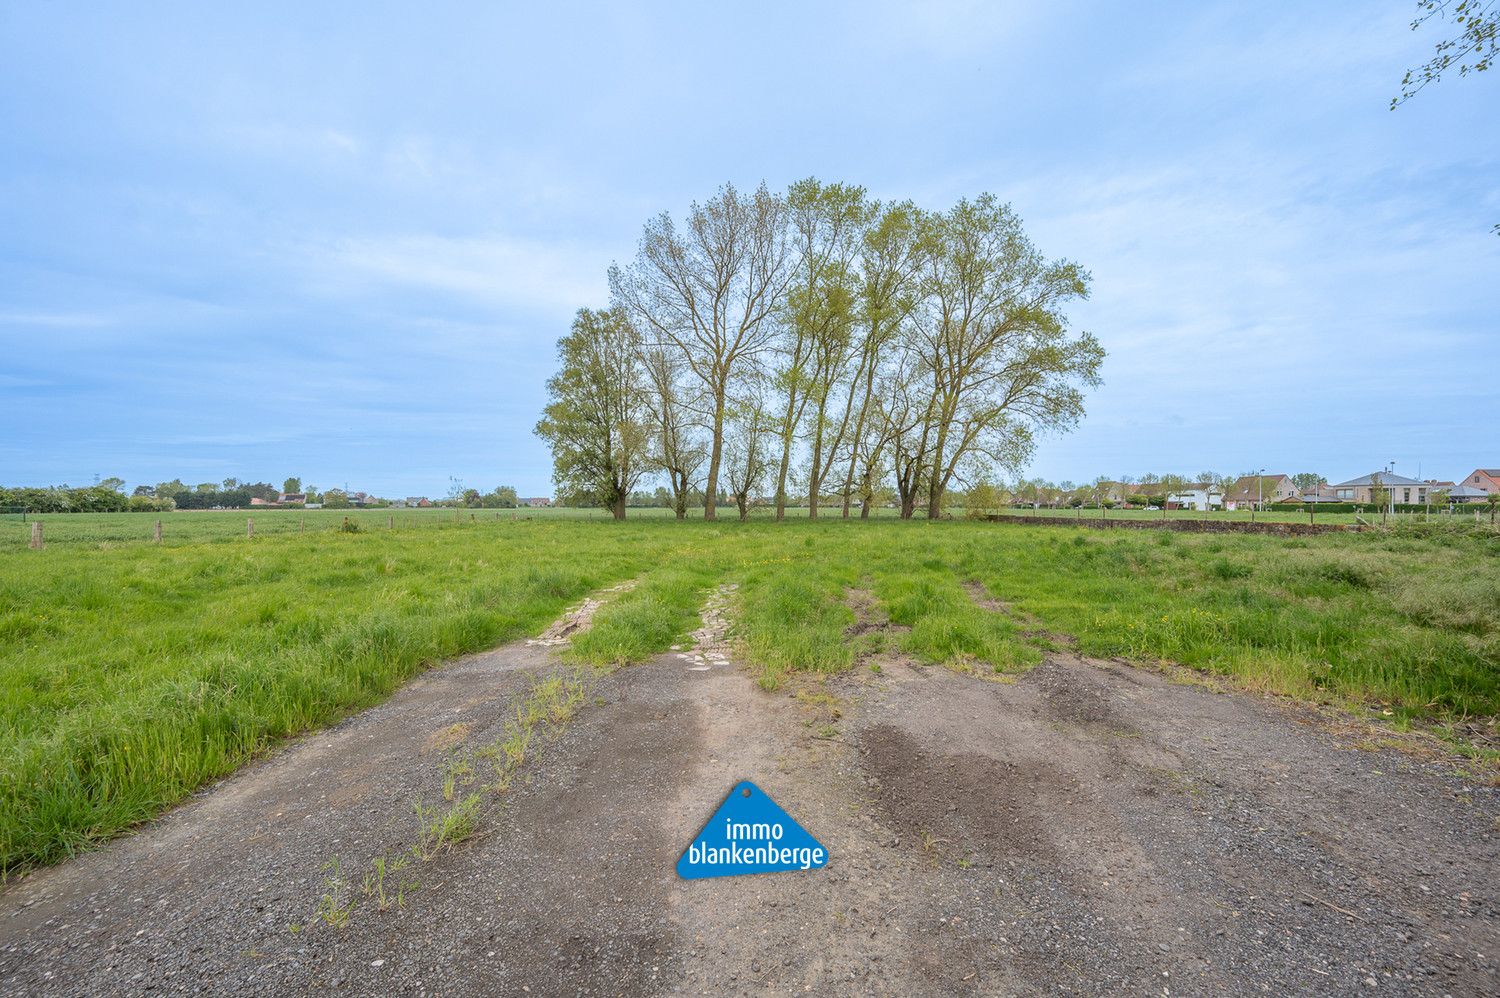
[
  {"x": 392, "y": 519},
  {"x": 301, "y": 525},
  {"x": 36, "y": 535},
  {"x": 249, "y": 526},
  {"x": 156, "y": 534}
]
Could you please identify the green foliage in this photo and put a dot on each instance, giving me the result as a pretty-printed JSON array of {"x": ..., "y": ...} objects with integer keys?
[
  {"x": 982, "y": 500},
  {"x": 595, "y": 419},
  {"x": 1473, "y": 50},
  {"x": 504, "y": 497},
  {"x": 101, "y": 498},
  {"x": 1364, "y": 509}
]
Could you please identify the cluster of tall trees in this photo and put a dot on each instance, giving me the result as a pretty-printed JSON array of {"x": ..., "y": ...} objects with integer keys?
[
  {"x": 818, "y": 347},
  {"x": 502, "y": 497}
]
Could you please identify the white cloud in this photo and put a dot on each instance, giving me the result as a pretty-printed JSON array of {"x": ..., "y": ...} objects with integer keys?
[{"x": 497, "y": 271}]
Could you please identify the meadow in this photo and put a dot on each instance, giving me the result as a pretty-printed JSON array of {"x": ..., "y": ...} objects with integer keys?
[
  {"x": 195, "y": 526},
  {"x": 131, "y": 673}
]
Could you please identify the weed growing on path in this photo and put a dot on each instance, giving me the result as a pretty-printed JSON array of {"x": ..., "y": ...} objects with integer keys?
[{"x": 130, "y": 675}]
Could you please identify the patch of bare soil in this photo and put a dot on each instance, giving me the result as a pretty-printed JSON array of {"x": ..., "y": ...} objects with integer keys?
[
  {"x": 877, "y": 641},
  {"x": 1089, "y": 829},
  {"x": 576, "y": 619},
  {"x": 1107, "y": 831}
]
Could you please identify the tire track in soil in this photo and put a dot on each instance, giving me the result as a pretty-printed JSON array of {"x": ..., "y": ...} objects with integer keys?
[
  {"x": 202, "y": 897},
  {"x": 857, "y": 927},
  {"x": 1124, "y": 834},
  {"x": 1087, "y": 829}
]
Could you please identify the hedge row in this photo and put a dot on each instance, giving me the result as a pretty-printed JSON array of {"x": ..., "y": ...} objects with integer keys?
[
  {"x": 1364, "y": 508},
  {"x": 89, "y": 499}
]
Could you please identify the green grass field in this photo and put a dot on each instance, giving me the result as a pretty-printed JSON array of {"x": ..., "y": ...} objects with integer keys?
[
  {"x": 195, "y": 526},
  {"x": 130, "y": 673}
]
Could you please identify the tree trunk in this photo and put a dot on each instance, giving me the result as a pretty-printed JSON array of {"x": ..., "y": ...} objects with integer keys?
[
  {"x": 864, "y": 509},
  {"x": 787, "y": 430},
  {"x": 935, "y": 496},
  {"x": 786, "y": 457},
  {"x": 619, "y": 508},
  {"x": 711, "y": 488},
  {"x": 859, "y": 434},
  {"x": 815, "y": 480},
  {"x": 935, "y": 485}
]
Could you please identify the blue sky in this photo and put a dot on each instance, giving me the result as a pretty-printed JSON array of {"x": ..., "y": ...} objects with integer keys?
[{"x": 340, "y": 241}]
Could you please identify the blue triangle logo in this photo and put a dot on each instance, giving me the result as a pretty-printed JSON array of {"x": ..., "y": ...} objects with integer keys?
[{"x": 750, "y": 833}]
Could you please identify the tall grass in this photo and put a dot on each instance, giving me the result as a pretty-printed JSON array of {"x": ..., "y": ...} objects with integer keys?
[{"x": 132, "y": 673}]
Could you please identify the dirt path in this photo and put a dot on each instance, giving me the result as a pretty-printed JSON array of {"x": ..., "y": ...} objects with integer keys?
[{"x": 1088, "y": 829}]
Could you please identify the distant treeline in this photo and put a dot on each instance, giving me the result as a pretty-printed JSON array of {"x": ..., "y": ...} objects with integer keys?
[
  {"x": 110, "y": 496},
  {"x": 88, "y": 499}
]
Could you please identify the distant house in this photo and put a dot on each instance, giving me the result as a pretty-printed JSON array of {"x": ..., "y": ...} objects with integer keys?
[
  {"x": 1114, "y": 492},
  {"x": 539, "y": 502},
  {"x": 292, "y": 498},
  {"x": 1253, "y": 491},
  {"x": 1467, "y": 493},
  {"x": 1317, "y": 494},
  {"x": 1196, "y": 495},
  {"x": 418, "y": 502},
  {"x": 258, "y": 501},
  {"x": 1399, "y": 489},
  {"x": 1486, "y": 480}
]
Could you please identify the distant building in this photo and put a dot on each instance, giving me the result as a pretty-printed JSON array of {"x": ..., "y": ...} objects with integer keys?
[
  {"x": 1196, "y": 495},
  {"x": 539, "y": 502},
  {"x": 292, "y": 498},
  {"x": 1114, "y": 492},
  {"x": 418, "y": 502},
  {"x": 1317, "y": 494},
  {"x": 1467, "y": 493},
  {"x": 1486, "y": 480},
  {"x": 258, "y": 501},
  {"x": 1252, "y": 491},
  {"x": 1399, "y": 489}
]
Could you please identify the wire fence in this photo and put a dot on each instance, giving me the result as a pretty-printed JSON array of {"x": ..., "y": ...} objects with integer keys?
[{"x": 20, "y": 529}]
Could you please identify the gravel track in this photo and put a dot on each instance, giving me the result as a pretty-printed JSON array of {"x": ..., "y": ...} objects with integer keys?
[{"x": 1088, "y": 829}]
